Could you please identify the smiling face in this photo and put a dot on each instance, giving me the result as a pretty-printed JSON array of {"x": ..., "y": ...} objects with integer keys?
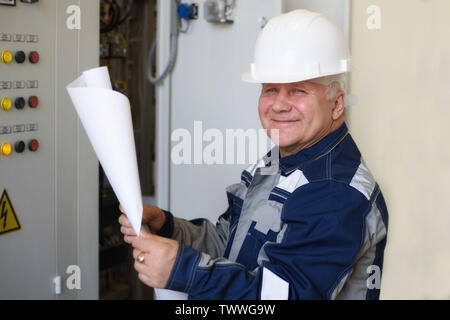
[{"x": 301, "y": 112}]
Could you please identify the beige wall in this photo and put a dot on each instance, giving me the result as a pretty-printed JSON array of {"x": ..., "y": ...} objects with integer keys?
[{"x": 402, "y": 125}]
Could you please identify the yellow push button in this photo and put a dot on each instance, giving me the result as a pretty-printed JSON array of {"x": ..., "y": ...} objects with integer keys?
[
  {"x": 7, "y": 56},
  {"x": 6, "y": 149},
  {"x": 6, "y": 104}
]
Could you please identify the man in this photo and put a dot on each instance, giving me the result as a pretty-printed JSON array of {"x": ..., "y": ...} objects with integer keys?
[{"x": 314, "y": 230}]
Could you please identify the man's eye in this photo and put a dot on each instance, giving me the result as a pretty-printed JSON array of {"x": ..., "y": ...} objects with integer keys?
[
  {"x": 299, "y": 91},
  {"x": 271, "y": 90}
]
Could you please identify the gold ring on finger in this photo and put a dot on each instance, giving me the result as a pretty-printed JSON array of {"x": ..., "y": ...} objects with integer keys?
[{"x": 141, "y": 257}]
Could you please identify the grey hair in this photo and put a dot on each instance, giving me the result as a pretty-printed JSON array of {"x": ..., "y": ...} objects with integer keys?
[
  {"x": 334, "y": 88},
  {"x": 334, "y": 84}
]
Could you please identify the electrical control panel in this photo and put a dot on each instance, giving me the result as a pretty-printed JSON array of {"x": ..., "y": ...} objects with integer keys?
[
  {"x": 48, "y": 171},
  {"x": 20, "y": 94}
]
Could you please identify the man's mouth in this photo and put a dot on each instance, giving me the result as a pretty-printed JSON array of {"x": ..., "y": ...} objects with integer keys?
[{"x": 286, "y": 122}]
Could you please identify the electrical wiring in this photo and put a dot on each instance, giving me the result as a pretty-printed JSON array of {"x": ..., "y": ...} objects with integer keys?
[
  {"x": 186, "y": 28},
  {"x": 128, "y": 12},
  {"x": 115, "y": 14},
  {"x": 175, "y": 29}
]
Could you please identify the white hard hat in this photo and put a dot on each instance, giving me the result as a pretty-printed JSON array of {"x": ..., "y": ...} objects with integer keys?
[{"x": 297, "y": 46}]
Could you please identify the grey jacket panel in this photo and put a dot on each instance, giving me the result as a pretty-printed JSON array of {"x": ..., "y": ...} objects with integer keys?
[{"x": 204, "y": 237}]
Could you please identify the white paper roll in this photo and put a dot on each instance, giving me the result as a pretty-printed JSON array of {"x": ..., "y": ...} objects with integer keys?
[
  {"x": 106, "y": 117},
  {"x": 164, "y": 294}
]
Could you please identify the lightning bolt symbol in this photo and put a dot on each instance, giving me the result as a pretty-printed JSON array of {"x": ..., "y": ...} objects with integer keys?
[{"x": 4, "y": 214}]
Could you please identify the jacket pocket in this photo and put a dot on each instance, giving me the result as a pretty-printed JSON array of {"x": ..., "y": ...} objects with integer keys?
[
  {"x": 267, "y": 217},
  {"x": 265, "y": 226}
]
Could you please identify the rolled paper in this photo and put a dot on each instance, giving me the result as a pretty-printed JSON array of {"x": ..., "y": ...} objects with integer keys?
[{"x": 106, "y": 117}]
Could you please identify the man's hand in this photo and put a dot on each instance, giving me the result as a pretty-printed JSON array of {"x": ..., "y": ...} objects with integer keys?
[
  {"x": 159, "y": 258},
  {"x": 154, "y": 217}
]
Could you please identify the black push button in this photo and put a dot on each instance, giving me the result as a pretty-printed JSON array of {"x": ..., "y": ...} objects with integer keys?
[
  {"x": 19, "y": 146},
  {"x": 19, "y": 103},
  {"x": 20, "y": 57}
]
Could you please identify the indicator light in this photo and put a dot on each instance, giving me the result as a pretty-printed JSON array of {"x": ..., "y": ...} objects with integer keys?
[
  {"x": 6, "y": 104},
  {"x": 33, "y": 145},
  {"x": 33, "y": 102},
  {"x": 6, "y": 149},
  {"x": 34, "y": 57},
  {"x": 7, "y": 56}
]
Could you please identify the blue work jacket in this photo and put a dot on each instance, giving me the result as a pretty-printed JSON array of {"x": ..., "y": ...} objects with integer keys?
[{"x": 316, "y": 229}]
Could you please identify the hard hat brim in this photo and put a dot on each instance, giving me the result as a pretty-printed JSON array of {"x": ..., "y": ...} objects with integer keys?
[{"x": 248, "y": 77}]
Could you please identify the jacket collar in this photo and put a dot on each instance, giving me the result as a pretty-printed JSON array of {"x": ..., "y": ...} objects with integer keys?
[{"x": 320, "y": 149}]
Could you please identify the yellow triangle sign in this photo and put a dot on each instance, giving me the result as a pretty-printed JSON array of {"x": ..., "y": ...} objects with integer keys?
[{"x": 8, "y": 218}]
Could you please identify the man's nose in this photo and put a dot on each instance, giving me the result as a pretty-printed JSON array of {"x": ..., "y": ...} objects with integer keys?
[{"x": 281, "y": 104}]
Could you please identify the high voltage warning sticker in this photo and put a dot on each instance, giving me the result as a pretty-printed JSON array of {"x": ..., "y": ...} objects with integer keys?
[{"x": 8, "y": 218}]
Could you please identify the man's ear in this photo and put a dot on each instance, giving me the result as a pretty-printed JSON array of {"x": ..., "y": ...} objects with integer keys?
[{"x": 339, "y": 105}]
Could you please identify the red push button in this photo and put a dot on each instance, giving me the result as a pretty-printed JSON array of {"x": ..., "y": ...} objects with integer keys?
[
  {"x": 33, "y": 102},
  {"x": 34, "y": 57},
  {"x": 33, "y": 145}
]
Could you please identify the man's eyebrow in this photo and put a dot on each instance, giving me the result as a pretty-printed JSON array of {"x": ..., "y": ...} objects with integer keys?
[
  {"x": 292, "y": 85},
  {"x": 301, "y": 84}
]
